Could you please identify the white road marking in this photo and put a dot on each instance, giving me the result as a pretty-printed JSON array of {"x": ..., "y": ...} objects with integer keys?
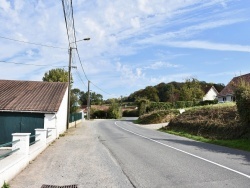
[{"x": 217, "y": 164}]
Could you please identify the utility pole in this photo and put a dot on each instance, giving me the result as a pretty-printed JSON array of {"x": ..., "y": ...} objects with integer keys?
[
  {"x": 69, "y": 82},
  {"x": 88, "y": 102}
]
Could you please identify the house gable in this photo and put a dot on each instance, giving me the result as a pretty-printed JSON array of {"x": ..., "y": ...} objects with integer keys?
[{"x": 210, "y": 93}]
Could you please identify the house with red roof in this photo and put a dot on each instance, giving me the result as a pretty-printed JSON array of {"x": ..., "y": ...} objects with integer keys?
[
  {"x": 27, "y": 105},
  {"x": 227, "y": 94}
]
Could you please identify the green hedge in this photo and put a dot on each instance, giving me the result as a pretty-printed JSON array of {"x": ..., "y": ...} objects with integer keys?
[
  {"x": 130, "y": 113},
  {"x": 213, "y": 123}
]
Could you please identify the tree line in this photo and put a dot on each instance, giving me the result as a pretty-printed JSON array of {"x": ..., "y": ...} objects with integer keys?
[{"x": 191, "y": 89}]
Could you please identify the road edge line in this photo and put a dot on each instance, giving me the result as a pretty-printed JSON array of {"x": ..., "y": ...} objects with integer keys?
[{"x": 196, "y": 156}]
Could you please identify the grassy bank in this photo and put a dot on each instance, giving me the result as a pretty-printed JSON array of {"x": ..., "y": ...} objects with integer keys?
[{"x": 242, "y": 144}]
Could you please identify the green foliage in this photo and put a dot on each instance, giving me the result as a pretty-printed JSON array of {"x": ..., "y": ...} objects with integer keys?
[
  {"x": 100, "y": 114},
  {"x": 161, "y": 116},
  {"x": 130, "y": 113},
  {"x": 95, "y": 98},
  {"x": 74, "y": 100},
  {"x": 208, "y": 102},
  {"x": 5, "y": 185},
  {"x": 242, "y": 94},
  {"x": 160, "y": 106},
  {"x": 210, "y": 122},
  {"x": 191, "y": 90},
  {"x": 143, "y": 105},
  {"x": 114, "y": 111},
  {"x": 56, "y": 75}
]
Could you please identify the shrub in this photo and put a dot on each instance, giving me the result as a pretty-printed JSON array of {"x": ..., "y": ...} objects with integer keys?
[
  {"x": 242, "y": 94},
  {"x": 180, "y": 104},
  {"x": 114, "y": 111},
  {"x": 213, "y": 123},
  {"x": 208, "y": 102},
  {"x": 160, "y": 106},
  {"x": 161, "y": 116},
  {"x": 143, "y": 105},
  {"x": 130, "y": 113},
  {"x": 100, "y": 114},
  {"x": 5, "y": 185}
]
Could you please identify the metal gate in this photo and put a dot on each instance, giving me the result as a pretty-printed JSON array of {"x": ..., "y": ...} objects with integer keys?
[{"x": 14, "y": 122}]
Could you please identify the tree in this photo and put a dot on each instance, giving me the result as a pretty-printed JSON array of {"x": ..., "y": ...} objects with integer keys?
[
  {"x": 114, "y": 111},
  {"x": 74, "y": 100},
  {"x": 191, "y": 90},
  {"x": 57, "y": 75},
  {"x": 61, "y": 75}
]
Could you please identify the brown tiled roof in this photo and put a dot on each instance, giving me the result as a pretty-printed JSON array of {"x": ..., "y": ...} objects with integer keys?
[
  {"x": 207, "y": 88},
  {"x": 31, "y": 95},
  {"x": 229, "y": 89}
]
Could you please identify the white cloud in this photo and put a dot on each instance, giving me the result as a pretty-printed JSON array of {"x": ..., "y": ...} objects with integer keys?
[
  {"x": 161, "y": 65},
  {"x": 209, "y": 45}
]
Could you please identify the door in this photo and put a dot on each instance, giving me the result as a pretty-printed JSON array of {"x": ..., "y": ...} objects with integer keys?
[{"x": 14, "y": 122}]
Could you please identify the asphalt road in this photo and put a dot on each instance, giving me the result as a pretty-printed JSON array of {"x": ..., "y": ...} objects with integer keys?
[
  {"x": 151, "y": 158},
  {"x": 109, "y": 153}
]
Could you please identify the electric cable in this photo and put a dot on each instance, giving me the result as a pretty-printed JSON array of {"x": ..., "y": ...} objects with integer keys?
[
  {"x": 44, "y": 45},
  {"x": 39, "y": 65}
]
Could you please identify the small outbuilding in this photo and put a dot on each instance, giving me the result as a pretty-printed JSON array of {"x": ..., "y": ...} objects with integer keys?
[{"x": 27, "y": 105}]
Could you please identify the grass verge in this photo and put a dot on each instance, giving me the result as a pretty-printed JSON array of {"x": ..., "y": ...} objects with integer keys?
[{"x": 242, "y": 144}]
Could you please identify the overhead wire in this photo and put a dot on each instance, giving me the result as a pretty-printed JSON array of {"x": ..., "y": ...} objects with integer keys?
[
  {"x": 71, "y": 33},
  {"x": 39, "y": 65},
  {"x": 38, "y": 44}
]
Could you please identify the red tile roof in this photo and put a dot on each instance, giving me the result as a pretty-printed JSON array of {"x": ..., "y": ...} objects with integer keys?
[
  {"x": 229, "y": 89},
  {"x": 31, "y": 95}
]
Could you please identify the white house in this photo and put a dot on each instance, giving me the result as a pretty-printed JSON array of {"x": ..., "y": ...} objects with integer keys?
[
  {"x": 28, "y": 105},
  {"x": 210, "y": 93},
  {"x": 227, "y": 94}
]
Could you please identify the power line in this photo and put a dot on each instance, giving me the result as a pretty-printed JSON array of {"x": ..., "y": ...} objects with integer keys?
[
  {"x": 100, "y": 88},
  {"x": 44, "y": 45},
  {"x": 39, "y": 65},
  {"x": 76, "y": 42},
  {"x": 78, "y": 74}
]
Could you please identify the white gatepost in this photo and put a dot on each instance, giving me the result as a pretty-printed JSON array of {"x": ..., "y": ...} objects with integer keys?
[
  {"x": 51, "y": 134},
  {"x": 23, "y": 143},
  {"x": 41, "y": 136}
]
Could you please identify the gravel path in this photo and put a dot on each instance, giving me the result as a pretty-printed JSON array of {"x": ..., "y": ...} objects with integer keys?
[{"x": 77, "y": 158}]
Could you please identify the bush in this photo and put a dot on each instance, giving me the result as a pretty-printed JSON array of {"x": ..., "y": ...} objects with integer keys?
[
  {"x": 143, "y": 105},
  {"x": 242, "y": 94},
  {"x": 208, "y": 102},
  {"x": 130, "y": 113},
  {"x": 160, "y": 106},
  {"x": 180, "y": 104},
  {"x": 100, "y": 114},
  {"x": 213, "y": 123},
  {"x": 158, "y": 117},
  {"x": 114, "y": 111}
]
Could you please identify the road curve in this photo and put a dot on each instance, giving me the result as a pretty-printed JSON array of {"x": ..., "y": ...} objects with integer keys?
[{"x": 154, "y": 159}]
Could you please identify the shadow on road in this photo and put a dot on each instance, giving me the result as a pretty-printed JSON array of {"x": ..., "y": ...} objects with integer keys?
[{"x": 211, "y": 147}]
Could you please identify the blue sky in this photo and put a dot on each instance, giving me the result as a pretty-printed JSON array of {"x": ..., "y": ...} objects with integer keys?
[{"x": 134, "y": 43}]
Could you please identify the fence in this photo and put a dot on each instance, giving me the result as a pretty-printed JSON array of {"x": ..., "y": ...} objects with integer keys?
[
  {"x": 15, "y": 158},
  {"x": 75, "y": 117}
]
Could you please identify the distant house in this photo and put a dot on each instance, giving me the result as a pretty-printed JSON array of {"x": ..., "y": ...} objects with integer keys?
[
  {"x": 227, "y": 94},
  {"x": 27, "y": 105},
  {"x": 211, "y": 93}
]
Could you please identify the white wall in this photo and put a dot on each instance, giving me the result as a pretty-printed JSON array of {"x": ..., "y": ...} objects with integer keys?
[
  {"x": 61, "y": 115},
  {"x": 210, "y": 95}
]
